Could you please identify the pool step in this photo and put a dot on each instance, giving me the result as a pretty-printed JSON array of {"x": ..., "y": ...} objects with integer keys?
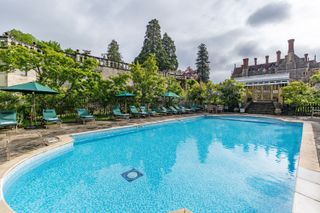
[{"x": 181, "y": 211}]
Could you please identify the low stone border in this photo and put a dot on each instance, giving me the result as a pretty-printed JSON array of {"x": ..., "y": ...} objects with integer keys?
[{"x": 307, "y": 191}]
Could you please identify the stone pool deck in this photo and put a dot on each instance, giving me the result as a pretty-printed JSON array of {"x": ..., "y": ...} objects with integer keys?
[{"x": 24, "y": 144}]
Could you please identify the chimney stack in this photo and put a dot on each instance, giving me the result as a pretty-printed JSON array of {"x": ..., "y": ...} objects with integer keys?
[
  {"x": 291, "y": 46},
  {"x": 255, "y": 61},
  {"x": 278, "y": 56},
  {"x": 245, "y": 63},
  {"x": 267, "y": 59},
  {"x": 306, "y": 57}
]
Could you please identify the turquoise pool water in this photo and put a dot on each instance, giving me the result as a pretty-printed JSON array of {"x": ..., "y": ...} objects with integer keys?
[{"x": 206, "y": 164}]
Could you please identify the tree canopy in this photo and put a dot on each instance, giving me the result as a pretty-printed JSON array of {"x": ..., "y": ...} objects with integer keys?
[
  {"x": 173, "y": 85},
  {"x": 60, "y": 72},
  {"x": 316, "y": 77},
  {"x": 171, "y": 61},
  {"x": 202, "y": 63},
  {"x": 148, "y": 84},
  {"x": 196, "y": 92},
  {"x": 22, "y": 37},
  {"x": 113, "y": 53},
  {"x": 231, "y": 92},
  {"x": 152, "y": 44},
  {"x": 297, "y": 92}
]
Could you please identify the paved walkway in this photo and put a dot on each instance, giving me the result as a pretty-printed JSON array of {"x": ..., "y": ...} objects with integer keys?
[
  {"x": 315, "y": 121},
  {"x": 316, "y": 132}
]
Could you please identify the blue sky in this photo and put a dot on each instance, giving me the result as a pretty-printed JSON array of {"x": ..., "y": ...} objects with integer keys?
[{"x": 231, "y": 29}]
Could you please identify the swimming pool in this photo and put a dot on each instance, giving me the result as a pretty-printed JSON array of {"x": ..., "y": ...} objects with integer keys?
[{"x": 205, "y": 164}]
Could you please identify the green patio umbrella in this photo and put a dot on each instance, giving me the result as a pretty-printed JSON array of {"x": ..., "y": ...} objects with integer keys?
[
  {"x": 125, "y": 95},
  {"x": 30, "y": 88},
  {"x": 171, "y": 95}
]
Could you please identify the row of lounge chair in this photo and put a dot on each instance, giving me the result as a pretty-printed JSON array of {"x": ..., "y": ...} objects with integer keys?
[
  {"x": 143, "y": 112},
  {"x": 9, "y": 117},
  {"x": 50, "y": 116}
]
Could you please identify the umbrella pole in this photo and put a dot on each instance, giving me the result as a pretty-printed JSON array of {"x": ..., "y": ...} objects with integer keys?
[{"x": 34, "y": 108}]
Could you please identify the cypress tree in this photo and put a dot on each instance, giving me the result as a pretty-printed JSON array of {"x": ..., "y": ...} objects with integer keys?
[
  {"x": 153, "y": 45},
  {"x": 171, "y": 61},
  {"x": 202, "y": 63},
  {"x": 113, "y": 53}
]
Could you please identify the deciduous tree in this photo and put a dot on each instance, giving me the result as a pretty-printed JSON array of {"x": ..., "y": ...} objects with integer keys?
[
  {"x": 22, "y": 37},
  {"x": 298, "y": 93},
  {"x": 148, "y": 84},
  {"x": 174, "y": 86},
  {"x": 231, "y": 92}
]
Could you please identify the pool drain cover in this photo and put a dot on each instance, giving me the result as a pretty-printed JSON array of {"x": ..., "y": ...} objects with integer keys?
[{"x": 131, "y": 175}]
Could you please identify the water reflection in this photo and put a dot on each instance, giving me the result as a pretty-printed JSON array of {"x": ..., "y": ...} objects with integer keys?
[{"x": 155, "y": 149}]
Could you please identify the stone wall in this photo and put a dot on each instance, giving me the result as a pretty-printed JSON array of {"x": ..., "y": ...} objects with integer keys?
[
  {"x": 107, "y": 72},
  {"x": 16, "y": 77}
]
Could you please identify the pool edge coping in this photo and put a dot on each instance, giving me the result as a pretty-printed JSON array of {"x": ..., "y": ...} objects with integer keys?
[{"x": 307, "y": 145}]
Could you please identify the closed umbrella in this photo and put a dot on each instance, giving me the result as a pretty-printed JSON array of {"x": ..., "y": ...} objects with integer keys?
[
  {"x": 31, "y": 88},
  {"x": 125, "y": 95}
]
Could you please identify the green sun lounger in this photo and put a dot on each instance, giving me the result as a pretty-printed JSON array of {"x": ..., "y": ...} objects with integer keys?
[
  {"x": 195, "y": 108},
  {"x": 50, "y": 116},
  {"x": 117, "y": 113},
  {"x": 8, "y": 118},
  {"x": 179, "y": 109},
  {"x": 152, "y": 112},
  {"x": 187, "y": 110},
  {"x": 134, "y": 111},
  {"x": 165, "y": 110},
  {"x": 84, "y": 115},
  {"x": 173, "y": 110},
  {"x": 158, "y": 111},
  {"x": 145, "y": 111}
]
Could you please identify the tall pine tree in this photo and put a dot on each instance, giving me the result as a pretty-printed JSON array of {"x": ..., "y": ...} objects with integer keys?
[
  {"x": 202, "y": 63},
  {"x": 171, "y": 61},
  {"x": 153, "y": 45},
  {"x": 113, "y": 53}
]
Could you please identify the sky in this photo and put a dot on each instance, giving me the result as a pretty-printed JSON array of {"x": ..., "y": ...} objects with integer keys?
[{"x": 231, "y": 29}]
